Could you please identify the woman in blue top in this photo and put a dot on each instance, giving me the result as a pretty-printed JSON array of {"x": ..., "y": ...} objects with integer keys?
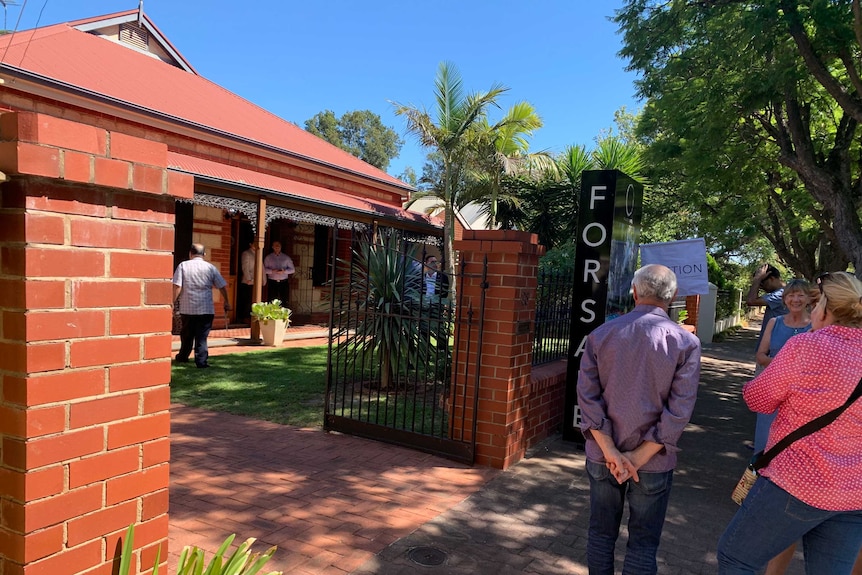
[{"x": 797, "y": 299}]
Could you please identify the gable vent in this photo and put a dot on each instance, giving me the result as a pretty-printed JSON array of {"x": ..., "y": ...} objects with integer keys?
[{"x": 134, "y": 35}]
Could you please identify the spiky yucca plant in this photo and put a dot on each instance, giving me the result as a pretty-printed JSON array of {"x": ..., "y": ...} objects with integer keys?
[
  {"x": 192, "y": 560},
  {"x": 383, "y": 286}
]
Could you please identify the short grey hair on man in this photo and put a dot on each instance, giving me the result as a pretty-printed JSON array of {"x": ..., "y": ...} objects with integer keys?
[
  {"x": 655, "y": 281},
  {"x": 197, "y": 250}
]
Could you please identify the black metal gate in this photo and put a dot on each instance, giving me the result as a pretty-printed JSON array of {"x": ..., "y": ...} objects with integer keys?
[{"x": 391, "y": 356}]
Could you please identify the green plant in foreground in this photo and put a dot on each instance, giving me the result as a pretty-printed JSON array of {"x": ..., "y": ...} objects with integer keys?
[
  {"x": 241, "y": 561},
  {"x": 264, "y": 311}
]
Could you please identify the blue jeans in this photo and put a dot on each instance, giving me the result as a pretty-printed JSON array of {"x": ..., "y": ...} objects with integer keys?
[
  {"x": 648, "y": 501},
  {"x": 196, "y": 329},
  {"x": 771, "y": 519}
]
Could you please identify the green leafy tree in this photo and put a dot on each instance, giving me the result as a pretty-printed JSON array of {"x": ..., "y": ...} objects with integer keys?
[
  {"x": 753, "y": 111},
  {"x": 409, "y": 176},
  {"x": 451, "y": 130},
  {"x": 360, "y": 132},
  {"x": 384, "y": 330},
  {"x": 325, "y": 125}
]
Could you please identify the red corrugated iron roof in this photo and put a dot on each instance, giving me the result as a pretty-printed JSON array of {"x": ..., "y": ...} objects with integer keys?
[
  {"x": 299, "y": 190},
  {"x": 63, "y": 54}
]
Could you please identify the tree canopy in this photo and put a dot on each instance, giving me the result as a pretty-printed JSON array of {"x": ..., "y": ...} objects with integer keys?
[
  {"x": 752, "y": 118},
  {"x": 360, "y": 132}
]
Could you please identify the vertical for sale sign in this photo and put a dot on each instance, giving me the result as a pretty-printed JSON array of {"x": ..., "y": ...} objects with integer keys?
[{"x": 609, "y": 220}]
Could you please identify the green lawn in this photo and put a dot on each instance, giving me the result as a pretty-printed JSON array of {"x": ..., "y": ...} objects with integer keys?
[{"x": 281, "y": 385}]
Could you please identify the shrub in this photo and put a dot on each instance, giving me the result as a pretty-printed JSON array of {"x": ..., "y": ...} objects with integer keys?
[{"x": 240, "y": 562}]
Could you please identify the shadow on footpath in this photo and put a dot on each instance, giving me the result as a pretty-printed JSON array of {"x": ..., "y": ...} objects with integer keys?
[{"x": 533, "y": 518}]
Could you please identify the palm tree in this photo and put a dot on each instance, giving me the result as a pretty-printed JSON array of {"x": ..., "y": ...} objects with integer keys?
[
  {"x": 502, "y": 151},
  {"x": 451, "y": 131},
  {"x": 548, "y": 196},
  {"x": 612, "y": 153}
]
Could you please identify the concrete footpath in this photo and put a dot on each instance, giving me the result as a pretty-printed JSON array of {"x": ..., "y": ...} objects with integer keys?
[
  {"x": 533, "y": 518},
  {"x": 336, "y": 504}
]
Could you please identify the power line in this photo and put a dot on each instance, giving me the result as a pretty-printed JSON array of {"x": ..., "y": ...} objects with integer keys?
[
  {"x": 39, "y": 19},
  {"x": 6, "y": 3},
  {"x": 21, "y": 13}
]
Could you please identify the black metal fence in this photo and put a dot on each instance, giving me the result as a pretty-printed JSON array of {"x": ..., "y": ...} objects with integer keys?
[
  {"x": 553, "y": 314},
  {"x": 390, "y": 367}
]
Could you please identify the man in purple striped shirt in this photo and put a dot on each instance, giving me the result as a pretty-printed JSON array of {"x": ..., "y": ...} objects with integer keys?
[
  {"x": 637, "y": 387},
  {"x": 194, "y": 280}
]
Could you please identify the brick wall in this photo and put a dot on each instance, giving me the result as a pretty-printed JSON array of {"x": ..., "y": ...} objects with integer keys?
[
  {"x": 86, "y": 240},
  {"x": 507, "y": 340},
  {"x": 692, "y": 308},
  {"x": 547, "y": 398}
]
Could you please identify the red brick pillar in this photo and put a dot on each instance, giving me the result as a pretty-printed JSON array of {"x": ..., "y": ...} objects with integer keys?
[
  {"x": 692, "y": 309},
  {"x": 86, "y": 240},
  {"x": 507, "y": 338}
]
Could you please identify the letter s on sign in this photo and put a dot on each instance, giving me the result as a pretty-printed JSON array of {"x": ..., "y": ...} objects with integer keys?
[{"x": 591, "y": 315}]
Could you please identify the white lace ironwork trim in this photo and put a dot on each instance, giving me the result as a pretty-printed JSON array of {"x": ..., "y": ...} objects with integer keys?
[
  {"x": 277, "y": 213},
  {"x": 249, "y": 209}
]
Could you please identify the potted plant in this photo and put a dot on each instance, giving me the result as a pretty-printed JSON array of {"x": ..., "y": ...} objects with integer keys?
[{"x": 273, "y": 318}]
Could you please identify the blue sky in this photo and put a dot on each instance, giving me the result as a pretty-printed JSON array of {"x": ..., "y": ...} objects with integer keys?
[{"x": 296, "y": 58}]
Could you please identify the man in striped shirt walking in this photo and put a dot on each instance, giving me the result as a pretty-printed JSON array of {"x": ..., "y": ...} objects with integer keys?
[{"x": 193, "y": 283}]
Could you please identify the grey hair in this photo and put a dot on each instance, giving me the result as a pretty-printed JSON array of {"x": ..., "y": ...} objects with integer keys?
[{"x": 655, "y": 281}]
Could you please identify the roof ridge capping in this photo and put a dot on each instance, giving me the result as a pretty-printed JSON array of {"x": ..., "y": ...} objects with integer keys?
[{"x": 137, "y": 16}]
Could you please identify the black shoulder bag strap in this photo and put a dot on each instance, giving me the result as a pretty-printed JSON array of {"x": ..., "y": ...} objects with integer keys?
[{"x": 807, "y": 429}]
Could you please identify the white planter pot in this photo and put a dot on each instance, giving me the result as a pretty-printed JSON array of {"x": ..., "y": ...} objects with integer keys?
[{"x": 272, "y": 331}]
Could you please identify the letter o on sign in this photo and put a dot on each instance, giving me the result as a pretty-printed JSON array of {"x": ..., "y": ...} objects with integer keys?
[
  {"x": 603, "y": 234},
  {"x": 630, "y": 200}
]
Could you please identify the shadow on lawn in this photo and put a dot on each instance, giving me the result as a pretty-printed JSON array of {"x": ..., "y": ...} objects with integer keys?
[{"x": 284, "y": 386}]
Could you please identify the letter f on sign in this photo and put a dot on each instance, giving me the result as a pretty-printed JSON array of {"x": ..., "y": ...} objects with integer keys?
[{"x": 594, "y": 195}]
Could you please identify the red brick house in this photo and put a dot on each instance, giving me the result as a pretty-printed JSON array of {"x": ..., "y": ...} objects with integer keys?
[
  {"x": 249, "y": 166},
  {"x": 114, "y": 156}
]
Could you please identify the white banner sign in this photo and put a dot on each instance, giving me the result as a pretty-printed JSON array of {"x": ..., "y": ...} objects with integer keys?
[{"x": 687, "y": 259}]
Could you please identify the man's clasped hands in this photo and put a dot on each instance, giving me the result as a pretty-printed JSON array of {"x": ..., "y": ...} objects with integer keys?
[
  {"x": 621, "y": 466},
  {"x": 624, "y": 465}
]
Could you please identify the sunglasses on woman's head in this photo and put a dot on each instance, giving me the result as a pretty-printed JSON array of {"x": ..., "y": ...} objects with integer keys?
[{"x": 820, "y": 279}]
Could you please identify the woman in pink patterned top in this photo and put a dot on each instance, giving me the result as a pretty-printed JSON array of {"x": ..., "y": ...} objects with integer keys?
[{"x": 813, "y": 489}]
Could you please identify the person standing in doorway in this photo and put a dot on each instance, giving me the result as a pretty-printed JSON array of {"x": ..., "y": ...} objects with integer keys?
[
  {"x": 247, "y": 261},
  {"x": 279, "y": 267},
  {"x": 637, "y": 387},
  {"x": 194, "y": 280}
]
